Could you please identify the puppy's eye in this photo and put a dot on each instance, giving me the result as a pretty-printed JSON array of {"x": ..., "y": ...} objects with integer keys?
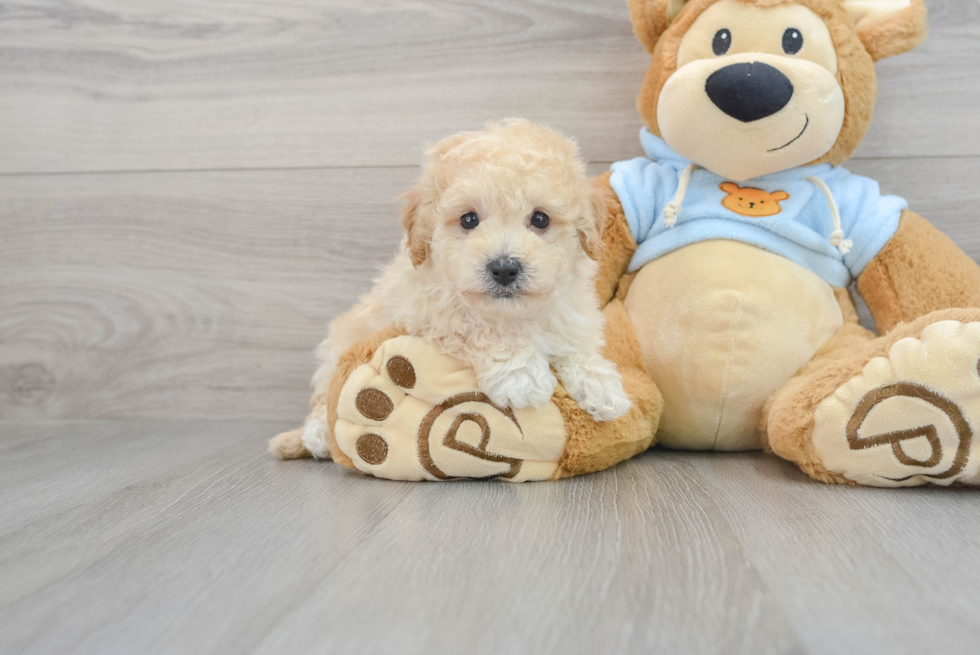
[
  {"x": 469, "y": 220},
  {"x": 792, "y": 41},
  {"x": 722, "y": 43},
  {"x": 540, "y": 220}
]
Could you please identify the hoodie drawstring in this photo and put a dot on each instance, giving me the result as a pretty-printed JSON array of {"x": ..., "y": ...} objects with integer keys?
[
  {"x": 837, "y": 236},
  {"x": 837, "y": 240},
  {"x": 673, "y": 209}
]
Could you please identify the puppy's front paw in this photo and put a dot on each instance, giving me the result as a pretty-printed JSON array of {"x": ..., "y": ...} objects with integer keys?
[
  {"x": 530, "y": 386},
  {"x": 597, "y": 388}
]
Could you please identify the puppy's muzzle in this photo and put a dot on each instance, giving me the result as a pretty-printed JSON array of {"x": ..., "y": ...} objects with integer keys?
[
  {"x": 749, "y": 92},
  {"x": 504, "y": 270}
]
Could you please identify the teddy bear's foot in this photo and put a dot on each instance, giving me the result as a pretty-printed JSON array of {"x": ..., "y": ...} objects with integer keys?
[
  {"x": 907, "y": 416},
  {"x": 413, "y": 413}
]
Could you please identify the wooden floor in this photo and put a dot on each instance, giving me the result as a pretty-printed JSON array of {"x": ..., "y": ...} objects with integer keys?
[
  {"x": 190, "y": 190},
  {"x": 184, "y": 537}
]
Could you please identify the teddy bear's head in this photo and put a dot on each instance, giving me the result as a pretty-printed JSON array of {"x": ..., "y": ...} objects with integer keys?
[{"x": 750, "y": 87}]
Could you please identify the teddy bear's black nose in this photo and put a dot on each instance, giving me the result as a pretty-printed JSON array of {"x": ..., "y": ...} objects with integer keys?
[
  {"x": 505, "y": 270},
  {"x": 749, "y": 92}
]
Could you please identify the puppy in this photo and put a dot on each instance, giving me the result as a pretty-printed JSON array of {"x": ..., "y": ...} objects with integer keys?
[{"x": 497, "y": 268}]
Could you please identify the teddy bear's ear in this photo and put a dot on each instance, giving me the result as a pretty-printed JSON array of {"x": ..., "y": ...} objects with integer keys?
[
  {"x": 888, "y": 27},
  {"x": 729, "y": 187},
  {"x": 416, "y": 227},
  {"x": 651, "y": 18}
]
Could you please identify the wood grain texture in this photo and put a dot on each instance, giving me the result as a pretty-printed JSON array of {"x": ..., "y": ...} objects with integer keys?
[
  {"x": 890, "y": 571},
  {"x": 190, "y": 190},
  {"x": 53, "y": 466},
  {"x": 203, "y": 556},
  {"x": 635, "y": 560},
  {"x": 237, "y": 552},
  {"x": 182, "y": 295},
  {"x": 97, "y": 85},
  {"x": 202, "y": 295},
  {"x": 224, "y": 549}
]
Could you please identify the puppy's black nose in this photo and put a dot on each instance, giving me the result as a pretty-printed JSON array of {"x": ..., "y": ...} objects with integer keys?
[
  {"x": 504, "y": 270},
  {"x": 749, "y": 92}
]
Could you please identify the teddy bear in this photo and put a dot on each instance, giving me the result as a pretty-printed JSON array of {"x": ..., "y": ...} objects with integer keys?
[{"x": 731, "y": 253}]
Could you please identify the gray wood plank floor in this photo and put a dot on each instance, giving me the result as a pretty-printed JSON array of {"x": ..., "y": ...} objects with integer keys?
[
  {"x": 189, "y": 191},
  {"x": 185, "y": 537}
]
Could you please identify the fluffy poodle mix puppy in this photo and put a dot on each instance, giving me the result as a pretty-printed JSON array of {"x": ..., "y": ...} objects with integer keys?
[{"x": 503, "y": 230}]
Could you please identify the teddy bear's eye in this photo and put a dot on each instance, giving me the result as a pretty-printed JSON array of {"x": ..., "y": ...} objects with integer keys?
[
  {"x": 469, "y": 220},
  {"x": 722, "y": 42},
  {"x": 792, "y": 41}
]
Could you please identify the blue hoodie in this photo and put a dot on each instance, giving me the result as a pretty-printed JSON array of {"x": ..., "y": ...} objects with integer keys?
[{"x": 800, "y": 224}]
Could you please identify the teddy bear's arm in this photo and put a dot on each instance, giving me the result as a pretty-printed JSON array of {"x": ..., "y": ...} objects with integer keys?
[
  {"x": 919, "y": 271},
  {"x": 618, "y": 244}
]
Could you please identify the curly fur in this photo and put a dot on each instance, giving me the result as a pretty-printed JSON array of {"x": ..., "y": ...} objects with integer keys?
[{"x": 438, "y": 287}]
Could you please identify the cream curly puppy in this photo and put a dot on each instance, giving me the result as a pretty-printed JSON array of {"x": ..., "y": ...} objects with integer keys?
[{"x": 498, "y": 268}]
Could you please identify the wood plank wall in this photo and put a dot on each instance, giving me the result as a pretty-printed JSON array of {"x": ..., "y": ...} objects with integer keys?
[{"x": 190, "y": 190}]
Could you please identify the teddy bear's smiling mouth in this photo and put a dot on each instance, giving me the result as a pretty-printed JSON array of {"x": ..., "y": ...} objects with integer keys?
[{"x": 797, "y": 137}]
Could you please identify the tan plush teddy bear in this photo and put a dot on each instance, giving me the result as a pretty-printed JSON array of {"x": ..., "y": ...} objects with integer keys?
[{"x": 730, "y": 252}]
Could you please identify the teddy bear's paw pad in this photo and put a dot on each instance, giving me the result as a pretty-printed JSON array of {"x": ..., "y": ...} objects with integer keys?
[
  {"x": 910, "y": 418},
  {"x": 414, "y": 413}
]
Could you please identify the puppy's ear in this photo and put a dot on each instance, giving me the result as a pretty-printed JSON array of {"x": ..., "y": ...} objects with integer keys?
[
  {"x": 651, "y": 18},
  {"x": 888, "y": 27},
  {"x": 416, "y": 225},
  {"x": 592, "y": 226}
]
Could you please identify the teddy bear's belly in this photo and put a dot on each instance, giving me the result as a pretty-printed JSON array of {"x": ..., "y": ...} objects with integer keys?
[{"x": 722, "y": 326}]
